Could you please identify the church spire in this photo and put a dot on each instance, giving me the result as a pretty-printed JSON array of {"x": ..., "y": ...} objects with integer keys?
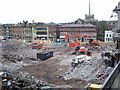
[
  {"x": 89, "y": 7},
  {"x": 89, "y": 16}
]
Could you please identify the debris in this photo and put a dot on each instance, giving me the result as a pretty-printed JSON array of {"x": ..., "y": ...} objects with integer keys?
[
  {"x": 25, "y": 71},
  {"x": 21, "y": 81},
  {"x": 79, "y": 60}
]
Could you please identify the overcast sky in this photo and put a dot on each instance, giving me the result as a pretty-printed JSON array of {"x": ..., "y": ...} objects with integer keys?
[{"x": 14, "y": 11}]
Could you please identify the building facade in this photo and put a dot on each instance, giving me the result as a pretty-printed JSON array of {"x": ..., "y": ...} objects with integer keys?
[
  {"x": 111, "y": 24},
  {"x": 78, "y": 29},
  {"x": 40, "y": 33},
  {"x": 53, "y": 31},
  {"x": 108, "y": 36},
  {"x": 22, "y": 32},
  {"x": 7, "y": 31}
]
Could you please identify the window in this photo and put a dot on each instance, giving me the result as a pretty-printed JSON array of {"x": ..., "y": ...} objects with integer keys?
[
  {"x": 41, "y": 33},
  {"x": 110, "y": 35},
  {"x": 111, "y": 39},
  {"x": 106, "y": 35},
  {"x": 106, "y": 39},
  {"x": 41, "y": 28}
]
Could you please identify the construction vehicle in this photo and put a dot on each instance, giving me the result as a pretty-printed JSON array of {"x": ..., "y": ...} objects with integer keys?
[
  {"x": 76, "y": 42},
  {"x": 81, "y": 50},
  {"x": 109, "y": 58},
  {"x": 37, "y": 45},
  {"x": 94, "y": 87}
]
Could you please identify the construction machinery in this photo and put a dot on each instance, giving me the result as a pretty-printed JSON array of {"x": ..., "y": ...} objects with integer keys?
[
  {"x": 94, "y": 86},
  {"x": 75, "y": 42},
  {"x": 109, "y": 58},
  {"x": 79, "y": 50},
  {"x": 37, "y": 45},
  {"x": 78, "y": 36}
]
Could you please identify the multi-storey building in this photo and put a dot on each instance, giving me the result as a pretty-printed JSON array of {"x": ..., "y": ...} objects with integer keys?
[
  {"x": 108, "y": 36},
  {"x": 53, "y": 31},
  {"x": 75, "y": 29},
  {"x": 7, "y": 31},
  {"x": 111, "y": 24},
  {"x": 40, "y": 33},
  {"x": 22, "y": 32}
]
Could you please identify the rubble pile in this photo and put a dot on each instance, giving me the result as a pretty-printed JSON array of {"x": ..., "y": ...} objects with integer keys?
[
  {"x": 103, "y": 72},
  {"x": 90, "y": 69},
  {"x": 84, "y": 71},
  {"x": 16, "y": 80},
  {"x": 13, "y": 51},
  {"x": 27, "y": 71},
  {"x": 99, "y": 48}
]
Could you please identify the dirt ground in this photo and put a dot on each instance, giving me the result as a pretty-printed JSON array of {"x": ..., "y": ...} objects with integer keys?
[{"x": 51, "y": 69}]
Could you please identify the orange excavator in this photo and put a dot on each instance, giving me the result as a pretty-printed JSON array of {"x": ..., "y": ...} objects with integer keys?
[{"x": 76, "y": 43}]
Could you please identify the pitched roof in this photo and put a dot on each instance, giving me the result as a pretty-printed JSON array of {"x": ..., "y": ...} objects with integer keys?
[{"x": 78, "y": 25}]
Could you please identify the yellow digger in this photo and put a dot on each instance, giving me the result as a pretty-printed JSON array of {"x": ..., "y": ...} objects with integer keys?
[{"x": 94, "y": 87}]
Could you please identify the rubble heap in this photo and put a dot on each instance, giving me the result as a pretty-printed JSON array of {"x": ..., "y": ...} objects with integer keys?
[{"x": 16, "y": 80}]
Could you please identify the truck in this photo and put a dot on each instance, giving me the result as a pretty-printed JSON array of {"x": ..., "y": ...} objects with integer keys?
[{"x": 37, "y": 45}]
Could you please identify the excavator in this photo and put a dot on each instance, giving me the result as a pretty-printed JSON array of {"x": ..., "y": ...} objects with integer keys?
[
  {"x": 77, "y": 46},
  {"x": 76, "y": 43}
]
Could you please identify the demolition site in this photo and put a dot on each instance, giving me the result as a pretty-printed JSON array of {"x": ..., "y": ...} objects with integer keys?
[
  {"x": 24, "y": 66},
  {"x": 67, "y": 64}
]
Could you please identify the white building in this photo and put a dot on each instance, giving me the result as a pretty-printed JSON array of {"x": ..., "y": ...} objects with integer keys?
[{"x": 108, "y": 36}]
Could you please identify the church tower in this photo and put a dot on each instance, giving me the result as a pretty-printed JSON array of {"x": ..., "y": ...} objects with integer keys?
[{"x": 89, "y": 17}]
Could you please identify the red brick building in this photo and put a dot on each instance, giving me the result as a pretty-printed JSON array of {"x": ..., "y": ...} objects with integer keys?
[
  {"x": 75, "y": 29},
  {"x": 22, "y": 32}
]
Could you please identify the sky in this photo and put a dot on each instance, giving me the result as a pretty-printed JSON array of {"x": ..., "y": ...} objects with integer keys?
[{"x": 57, "y": 11}]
